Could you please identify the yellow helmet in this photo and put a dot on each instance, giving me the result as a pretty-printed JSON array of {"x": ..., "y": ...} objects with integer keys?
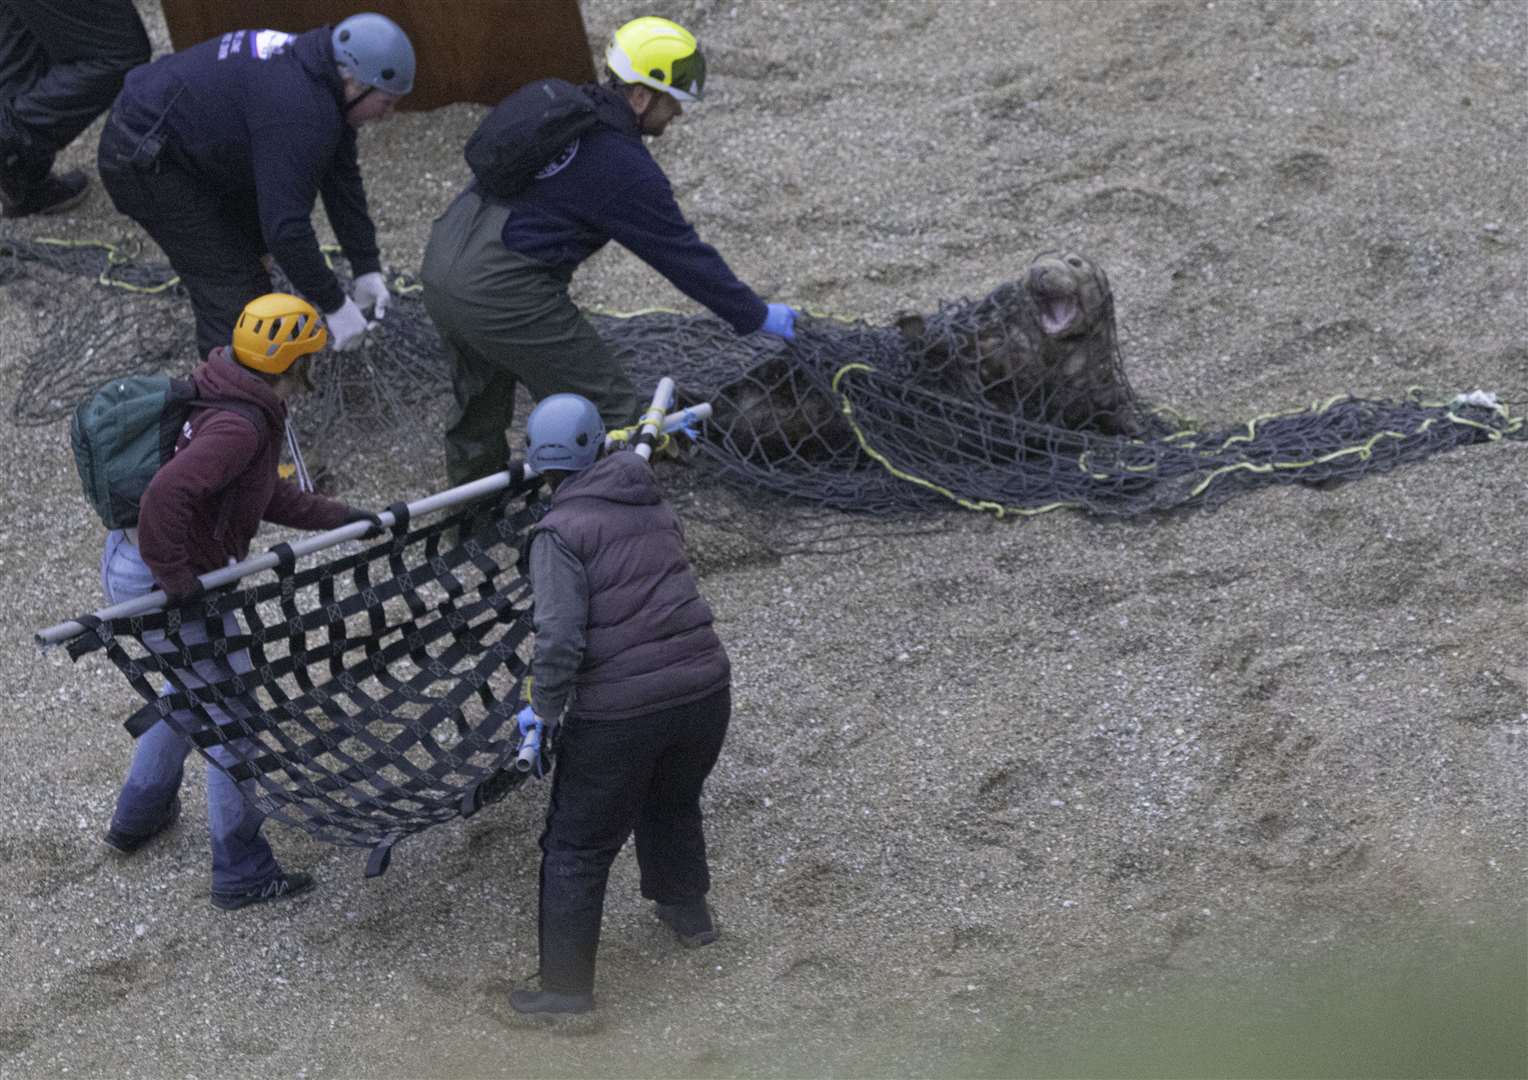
[
  {"x": 659, "y": 54},
  {"x": 276, "y": 329}
]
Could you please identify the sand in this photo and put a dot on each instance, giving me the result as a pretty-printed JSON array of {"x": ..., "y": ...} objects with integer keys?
[{"x": 986, "y": 780}]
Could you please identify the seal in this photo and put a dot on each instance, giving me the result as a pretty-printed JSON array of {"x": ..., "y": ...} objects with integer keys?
[{"x": 1042, "y": 349}]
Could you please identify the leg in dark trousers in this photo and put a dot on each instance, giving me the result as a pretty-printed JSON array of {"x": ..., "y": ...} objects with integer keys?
[
  {"x": 671, "y": 844},
  {"x": 215, "y": 249},
  {"x": 61, "y": 64},
  {"x": 484, "y": 408},
  {"x": 603, "y": 780}
]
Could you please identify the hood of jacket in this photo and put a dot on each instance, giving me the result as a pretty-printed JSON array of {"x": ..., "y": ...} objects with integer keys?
[
  {"x": 222, "y": 378},
  {"x": 622, "y": 477}
]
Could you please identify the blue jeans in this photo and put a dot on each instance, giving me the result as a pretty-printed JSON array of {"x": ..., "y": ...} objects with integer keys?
[{"x": 241, "y": 857}]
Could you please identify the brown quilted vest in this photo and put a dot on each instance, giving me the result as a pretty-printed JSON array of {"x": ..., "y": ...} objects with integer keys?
[{"x": 650, "y": 644}]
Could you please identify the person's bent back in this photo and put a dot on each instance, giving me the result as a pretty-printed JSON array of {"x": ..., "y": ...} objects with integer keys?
[{"x": 219, "y": 152}]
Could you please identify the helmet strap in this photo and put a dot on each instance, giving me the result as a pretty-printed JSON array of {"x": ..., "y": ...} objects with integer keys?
[{"x": 362, "y": 96}]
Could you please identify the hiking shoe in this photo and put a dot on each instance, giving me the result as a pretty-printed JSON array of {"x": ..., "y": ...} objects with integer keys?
[
  {"x": 127, "y": 843},
  {"x": 551, "y": 1002},
  {"x": 691, "y": 923},
  {"x": 56, "y": 193},
  {"x": 277, "y": 888}
]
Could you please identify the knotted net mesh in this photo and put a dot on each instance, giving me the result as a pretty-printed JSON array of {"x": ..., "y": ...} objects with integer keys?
[{"x": 1015, "y": 403}]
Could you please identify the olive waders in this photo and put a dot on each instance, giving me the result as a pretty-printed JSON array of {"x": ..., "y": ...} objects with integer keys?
[{"x": 506, "y": 319}]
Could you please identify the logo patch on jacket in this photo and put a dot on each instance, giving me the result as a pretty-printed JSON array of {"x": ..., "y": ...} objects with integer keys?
[
  {"x": 269, "y": 43},
  {"x": 266, "y": 44},
  {"x": 560, "y": 162}
]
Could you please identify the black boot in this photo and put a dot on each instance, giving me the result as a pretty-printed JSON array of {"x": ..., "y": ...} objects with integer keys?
[
  {"x": 691, "y": 922},
  {"x": 550, "y": 1001},
  {"x": 53, "y": 194}
]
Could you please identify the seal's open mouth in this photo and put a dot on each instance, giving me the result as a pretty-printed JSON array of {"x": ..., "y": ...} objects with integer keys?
[
  {"x": 1057, "y": 313},
  {"x": 1053, "y": 287}
]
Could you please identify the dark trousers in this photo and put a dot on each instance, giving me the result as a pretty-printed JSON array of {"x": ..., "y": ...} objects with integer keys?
[
  {"x": 61, "y": 64},
  {"x": 214, "y": 243},
  {"x": 614, "y": 777}
]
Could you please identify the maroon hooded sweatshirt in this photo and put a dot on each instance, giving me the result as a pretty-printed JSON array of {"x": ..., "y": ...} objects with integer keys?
[{"x": 205, "y": 504}]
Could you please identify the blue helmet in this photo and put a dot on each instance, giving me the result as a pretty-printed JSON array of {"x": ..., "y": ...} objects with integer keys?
[
  {"x": 376, "y": 51},
  {"x": 563, "y": 432}
]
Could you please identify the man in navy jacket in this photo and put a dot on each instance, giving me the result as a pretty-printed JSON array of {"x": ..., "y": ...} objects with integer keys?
[
  {"x": 496, "y": 272},
  {"x": 219, "y": 151}
]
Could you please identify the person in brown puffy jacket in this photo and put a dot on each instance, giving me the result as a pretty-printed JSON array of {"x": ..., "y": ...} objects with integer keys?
[
  {"x": 199, "y": 513},
  {"x": 627, "y": 660}
]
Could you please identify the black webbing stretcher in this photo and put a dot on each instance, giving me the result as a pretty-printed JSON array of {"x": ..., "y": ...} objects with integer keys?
[{"x": 364, "y": 698}]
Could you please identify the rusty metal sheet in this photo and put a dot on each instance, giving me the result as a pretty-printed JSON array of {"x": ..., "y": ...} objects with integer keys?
[{"x": 467, "y": 50}]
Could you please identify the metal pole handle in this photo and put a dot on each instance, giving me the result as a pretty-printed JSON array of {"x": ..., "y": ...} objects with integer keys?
[{"x": 462, "y": 493}]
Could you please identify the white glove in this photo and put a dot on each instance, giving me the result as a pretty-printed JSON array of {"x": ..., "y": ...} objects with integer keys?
[
  {"x": 371, "y": 292},
  {"x": 347, "y": 326}
]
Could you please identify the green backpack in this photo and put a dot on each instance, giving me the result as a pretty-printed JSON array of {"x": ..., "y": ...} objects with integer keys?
[{"x": 125, "y": 431}]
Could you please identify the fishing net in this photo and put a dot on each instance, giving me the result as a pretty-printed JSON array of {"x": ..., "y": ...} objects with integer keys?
[
  {"x": 362, "y": 699},
  {"x": 1015, "y": 403}
]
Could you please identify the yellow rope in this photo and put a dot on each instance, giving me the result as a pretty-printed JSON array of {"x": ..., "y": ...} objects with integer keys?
[
  {"x": 983, "y": 505},
  {"x": 112, "y": 259},
  {"x": 1363, "y": 451}
]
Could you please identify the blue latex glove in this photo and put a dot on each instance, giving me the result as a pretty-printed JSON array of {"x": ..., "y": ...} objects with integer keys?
[
  {"x": 780, "y": 321},
  {"x": 689, "y": 427},
  {"x": 533, "y": 731}
]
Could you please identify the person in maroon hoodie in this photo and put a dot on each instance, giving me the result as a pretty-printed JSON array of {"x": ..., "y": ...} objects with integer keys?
[{"x": 200, "y": 513}]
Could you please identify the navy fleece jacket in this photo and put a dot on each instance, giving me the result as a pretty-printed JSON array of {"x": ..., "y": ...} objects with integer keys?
[
  {"x": 258, "y": 116},
  {"x": 606, "y": 186}
]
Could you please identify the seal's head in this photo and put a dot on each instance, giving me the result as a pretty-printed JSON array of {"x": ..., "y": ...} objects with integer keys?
[{"x": 1070, "y": 293}]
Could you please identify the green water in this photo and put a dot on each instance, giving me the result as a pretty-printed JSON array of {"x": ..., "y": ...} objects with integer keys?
[{"x": 1427, "y": 1003}]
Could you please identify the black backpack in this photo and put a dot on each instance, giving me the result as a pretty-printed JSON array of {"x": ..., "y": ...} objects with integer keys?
[{"x": 527, "y": 131}]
